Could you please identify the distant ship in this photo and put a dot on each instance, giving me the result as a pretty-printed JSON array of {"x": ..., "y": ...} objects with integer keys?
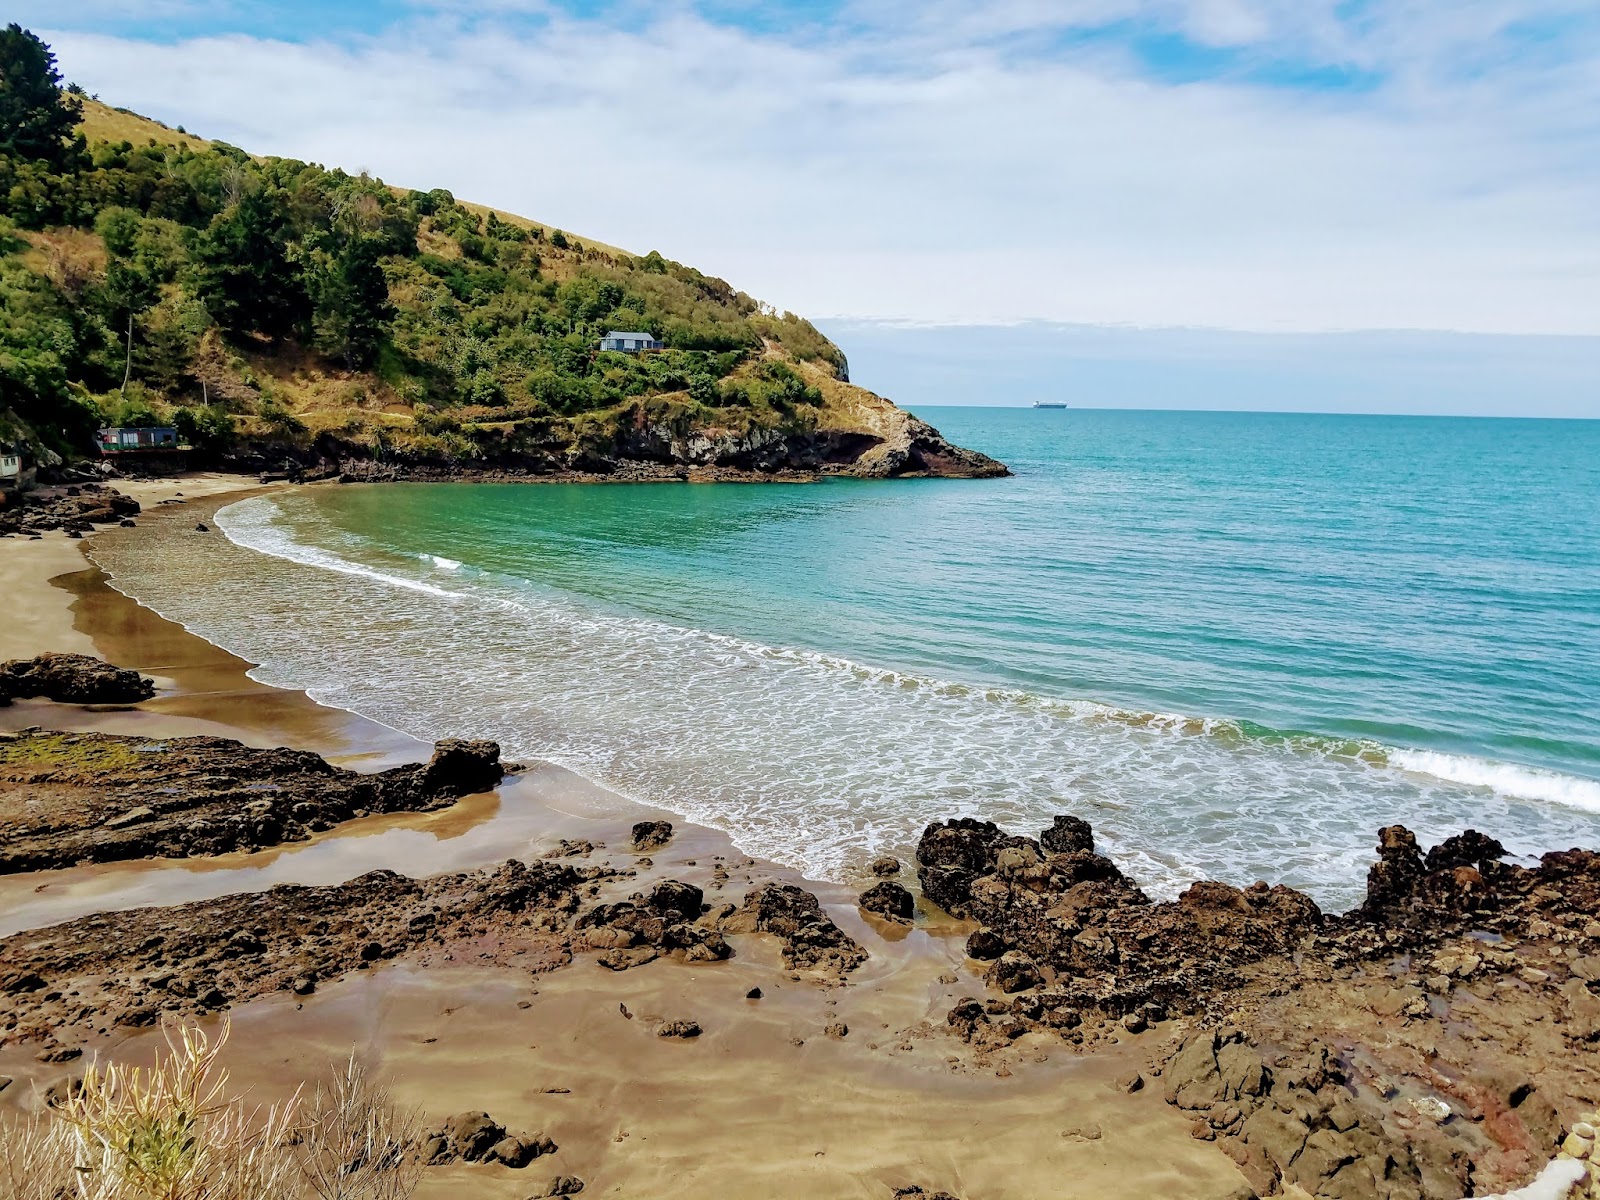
[{"x": 1048, "y": 404}]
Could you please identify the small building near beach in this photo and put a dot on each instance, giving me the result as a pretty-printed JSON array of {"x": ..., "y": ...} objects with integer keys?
[
  {"x": 126, "y": 439},
  {"x": 17, "y": 470},
  {"x": 629, "y": 342}
]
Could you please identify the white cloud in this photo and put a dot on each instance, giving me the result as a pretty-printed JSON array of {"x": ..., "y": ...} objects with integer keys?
[{"x": 927, "y": 168}]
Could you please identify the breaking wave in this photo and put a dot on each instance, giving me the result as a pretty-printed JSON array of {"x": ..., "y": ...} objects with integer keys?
[{"x": 818, "y": 761}]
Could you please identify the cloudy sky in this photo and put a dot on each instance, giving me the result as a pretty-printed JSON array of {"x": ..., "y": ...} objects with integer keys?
[{"x": 1269, "y": 166}]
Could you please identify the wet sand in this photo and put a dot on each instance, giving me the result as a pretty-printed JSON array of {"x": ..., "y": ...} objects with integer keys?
[{"x": 763, "y": 1104}]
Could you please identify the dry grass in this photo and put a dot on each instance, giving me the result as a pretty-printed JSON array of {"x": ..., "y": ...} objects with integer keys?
[
  {"x": 102, "y": 123},
  {"x": 175, "y": 1131}
]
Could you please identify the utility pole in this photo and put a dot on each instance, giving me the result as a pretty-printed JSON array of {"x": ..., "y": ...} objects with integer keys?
[{"x": 127, "y": 369}]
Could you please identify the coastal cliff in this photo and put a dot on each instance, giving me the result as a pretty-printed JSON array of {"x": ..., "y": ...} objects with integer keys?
[{"x": 282, "y": 316}]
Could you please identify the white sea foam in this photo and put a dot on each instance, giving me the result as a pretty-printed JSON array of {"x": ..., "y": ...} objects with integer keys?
[
  {"x": 248, "y": 523},
  {"x": 444, "y": 564},
  {"x": 810, "y": 759},
  {"x": 1506, "y": 779}
]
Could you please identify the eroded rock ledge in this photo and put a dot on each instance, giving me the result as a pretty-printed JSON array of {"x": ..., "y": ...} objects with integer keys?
[
  {"x": 62, "y": 985},
  {"x": 68, "y": 798},
  {"x": 1432, "y": 1043},
  {"x": 71, "y": 679}
]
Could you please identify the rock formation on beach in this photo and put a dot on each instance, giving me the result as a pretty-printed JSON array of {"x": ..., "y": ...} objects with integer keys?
[
  {"x": 76, "y": 508},
  {"x": 1428, "y": 1044},
  {"x": 71, "y": 679},
  {"x": 68, "y": 798},
  {"x": 69, "y": 982}
]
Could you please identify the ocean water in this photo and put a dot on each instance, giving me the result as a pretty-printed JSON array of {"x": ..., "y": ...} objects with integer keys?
[{"x": 1236, "y": 643}]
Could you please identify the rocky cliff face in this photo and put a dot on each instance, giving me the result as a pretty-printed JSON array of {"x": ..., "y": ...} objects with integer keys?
[{"x": 851, "y": 432}]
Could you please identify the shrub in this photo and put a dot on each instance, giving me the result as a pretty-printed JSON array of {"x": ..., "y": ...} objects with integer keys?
[{"x": 176, "y": 1131}]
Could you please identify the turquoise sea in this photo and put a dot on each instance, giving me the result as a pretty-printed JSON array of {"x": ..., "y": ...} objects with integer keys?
[{"x": 1236, "y": 643}]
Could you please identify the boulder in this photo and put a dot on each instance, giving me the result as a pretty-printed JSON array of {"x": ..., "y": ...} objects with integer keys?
[
  {"x": 1068, "y": 835},
  {"x": 679, "y": 899},
  {"x": 73, "y": 679},
  {"x": 561, "y": 1185},
  {"x": 884, "y": 866},
  {"x": 808, "y": 935},
  {"x": 651, "y": 835},
  {"x": 470, "y": 1135},
  {"x": 985, "y": 945},
  {"x": 461, "y": 768},
  {"x": 1014, "y": 972},
  {"x": 889, "y": 900}
]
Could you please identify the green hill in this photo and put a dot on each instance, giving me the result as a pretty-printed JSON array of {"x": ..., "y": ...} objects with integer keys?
[{"x": 274, "y": 309}]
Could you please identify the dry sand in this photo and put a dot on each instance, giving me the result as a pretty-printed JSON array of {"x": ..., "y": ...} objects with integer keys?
[{"x": 764, "y": 1104}]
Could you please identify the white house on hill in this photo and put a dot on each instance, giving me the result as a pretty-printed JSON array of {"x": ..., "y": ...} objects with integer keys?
[{"x": 628, "y": 343}]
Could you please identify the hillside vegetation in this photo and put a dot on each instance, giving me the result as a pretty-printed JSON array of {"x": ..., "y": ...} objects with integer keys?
[{"x": 269, "y": 307}]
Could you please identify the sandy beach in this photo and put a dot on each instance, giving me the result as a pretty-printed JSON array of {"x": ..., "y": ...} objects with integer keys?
[{"x": 763, "y": 1103}]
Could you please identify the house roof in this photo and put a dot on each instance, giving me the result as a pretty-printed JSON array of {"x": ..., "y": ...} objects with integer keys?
[{"x": 624, "y": 333}]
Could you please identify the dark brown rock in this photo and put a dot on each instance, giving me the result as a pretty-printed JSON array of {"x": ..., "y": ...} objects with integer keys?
[
  {"x": 212, "y": 954},
  {"x": 1068, "y": 835},
  {"x": 651, "y": 835},
  {"x": 1014, "y": 972},
  {"x": 95, "y": 797},
  {"x": 985, "y": 945},
  {"x": 561, "y": 1185},
  {"x": 808, "y": 935},
  {"x": 888, "y": 899},
  {"x": 72, "y": 679}
]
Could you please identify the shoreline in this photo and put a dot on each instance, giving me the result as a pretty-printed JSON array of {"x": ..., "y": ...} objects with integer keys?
[
  {"x": 644, "y": 1116},
  {"x": 773, "y": 1099}
]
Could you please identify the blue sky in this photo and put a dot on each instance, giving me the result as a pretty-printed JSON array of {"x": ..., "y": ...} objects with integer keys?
[{"x": 1299, "y": 167}]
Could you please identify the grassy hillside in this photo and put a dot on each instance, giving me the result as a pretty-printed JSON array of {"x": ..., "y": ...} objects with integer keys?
[{"x": 270, "y": 307}]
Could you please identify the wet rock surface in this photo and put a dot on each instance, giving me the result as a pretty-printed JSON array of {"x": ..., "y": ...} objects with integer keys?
[
  {"x": 651, "y": 835},
  {"x": 809, "y": 938},
  {"x": 477, "y": 1137},
  {"x": 1425, "y": 1045},
  {"x": 92, "y": 797},
  {"x": 76, "y": 508},
  {"x": 71, "y": 679},
  {"x": 68, "y": 982},
  {"x": 666, "y": 921},
  {"x": 65, "y": 985},
  {"x": 890, "y": 901}
]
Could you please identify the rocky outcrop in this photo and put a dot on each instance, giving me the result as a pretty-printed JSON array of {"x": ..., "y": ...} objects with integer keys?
[
  {"x": 1076, "y": 916},
  {"x": 635, "y": 931},
  {"x": 890, "y": 901},
  {"x": 92, "y": 797},
  {"x": 477, "y": 1137},
  {"x": 134, "y": 967},
  {"x": 651, "y": 835},
  {"x": 77, "y": 509},
  {"x": 72, "y": 679},
  {"x": 808, "y": 935},
  {"x": 1422, "y": 1047},
  {"x": 1302, "y": 1123}
]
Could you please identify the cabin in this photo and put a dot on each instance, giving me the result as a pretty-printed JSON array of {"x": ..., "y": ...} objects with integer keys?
[
  {"x": 628, "y": 342},
  {"x": 17, "y": 469},
  {"x": 129, "y": 439}
]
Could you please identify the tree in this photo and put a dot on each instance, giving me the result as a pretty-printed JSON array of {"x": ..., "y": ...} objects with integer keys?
[
  {"x": 351, "y": 298},
  {"x": 37, "y": 118},
  {"x": 247, "y": 278}
]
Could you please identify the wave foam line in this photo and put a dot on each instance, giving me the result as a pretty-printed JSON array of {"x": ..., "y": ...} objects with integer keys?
[
  {"x": 239, "y": 526},
  {"x": 255, "y": 532},
  {"x": 1508, "y": 779}
]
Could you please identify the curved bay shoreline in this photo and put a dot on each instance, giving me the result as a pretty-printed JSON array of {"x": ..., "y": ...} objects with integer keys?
[{"x": 946, "y": 1075}]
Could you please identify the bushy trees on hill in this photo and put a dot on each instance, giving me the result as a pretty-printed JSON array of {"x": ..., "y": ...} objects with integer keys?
[{"x": 167, "y": 275}]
